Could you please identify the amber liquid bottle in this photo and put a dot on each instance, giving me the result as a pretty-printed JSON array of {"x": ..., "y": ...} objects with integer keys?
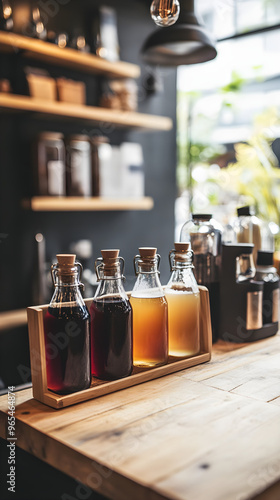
[
  {"x": 182, "y": 294},
  {"x": 66, "y": 330},
  {"x": 149, "y": 306},
  {"x": 111, "y": 321}
]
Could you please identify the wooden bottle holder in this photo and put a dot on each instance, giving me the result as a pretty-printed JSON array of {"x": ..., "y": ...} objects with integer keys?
[{"x": 100, "y": 387}]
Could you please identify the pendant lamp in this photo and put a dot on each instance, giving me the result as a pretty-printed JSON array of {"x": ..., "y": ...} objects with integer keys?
[{"x": 185, "y": 42}]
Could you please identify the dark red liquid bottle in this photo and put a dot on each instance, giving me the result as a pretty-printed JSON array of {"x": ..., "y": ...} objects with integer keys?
[
  {"x": 111, "y": 322},
  {"x": 67, "y": 332}
]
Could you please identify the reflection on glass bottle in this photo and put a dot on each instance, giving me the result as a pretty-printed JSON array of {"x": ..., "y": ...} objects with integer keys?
[
  {"x": 183, "y": 300},
  {"x": 111, "y": 322},
  {"x": 149, "y": 306},
  {"x": 67, "y": 333}
]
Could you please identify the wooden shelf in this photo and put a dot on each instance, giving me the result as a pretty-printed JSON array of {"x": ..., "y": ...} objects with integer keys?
[
  {"x": 90, "y": 114},
  {"x": 70, "y": 58},
  {"x": 56, "y": 204},
  {"x": 12, "y": 319}
]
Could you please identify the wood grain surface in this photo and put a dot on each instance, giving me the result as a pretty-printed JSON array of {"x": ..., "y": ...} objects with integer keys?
[
  {"x": 210, "y": 432},
  {"x": 67, "y": 57},
  {"x": 101, "y": 387},
  {"x": 82, "y": 113}
]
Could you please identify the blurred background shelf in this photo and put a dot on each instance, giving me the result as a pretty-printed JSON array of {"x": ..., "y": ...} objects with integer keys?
[
  {"x": 12, "y": 319},
  {"x": 52, "y": 204},
  {"x": 91, "y": 114},
  {"x": 70, "y": 58}
]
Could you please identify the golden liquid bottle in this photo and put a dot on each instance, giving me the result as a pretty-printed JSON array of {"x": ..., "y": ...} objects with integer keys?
[
  {"x": 183, "y": 300},
  {"x": 149, "y": 312}
]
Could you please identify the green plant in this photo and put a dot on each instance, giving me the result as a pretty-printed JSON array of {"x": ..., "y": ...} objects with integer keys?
[{"x": 256, "y": 174}]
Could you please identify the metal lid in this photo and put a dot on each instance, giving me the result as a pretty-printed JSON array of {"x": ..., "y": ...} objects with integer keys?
[
  {"x": 244, "y": 211},
  {"x": 202, "y": 216}
]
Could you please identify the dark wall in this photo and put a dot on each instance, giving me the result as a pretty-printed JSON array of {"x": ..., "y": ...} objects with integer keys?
[{"x": 124, "y": 230}]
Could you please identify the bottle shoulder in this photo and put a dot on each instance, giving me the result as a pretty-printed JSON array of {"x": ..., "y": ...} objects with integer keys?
[
  {"x": 68, "y": 311},
  {"x": 147, "y": 285}
]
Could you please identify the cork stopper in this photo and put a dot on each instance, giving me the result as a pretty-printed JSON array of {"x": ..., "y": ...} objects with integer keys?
[
  {"x": 66, "y": 264},
  {"x": 182, "y": 252},
  {"x": 110, "y": 261},
  {"x": 182, "y": 247},
  {"x": 147, "y": 252},
  {"x": 66, "y": 259}
]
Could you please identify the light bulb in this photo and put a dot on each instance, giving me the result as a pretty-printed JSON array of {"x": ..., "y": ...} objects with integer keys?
[{"x": 165, "y": 12}]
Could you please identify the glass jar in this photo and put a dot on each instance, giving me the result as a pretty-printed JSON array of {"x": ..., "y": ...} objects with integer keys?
[
  {"x": 67, "y": 333},
  {"x": 183, "y": 301},
  {"x": 205, "y": 236},
  {"x": 50, "y": 165},
  {"x": 78, "y": 161},
  {"x": 111, "y": 320},
  {"x": 247, "y": 228},
  {"x": 97, "y": 151},
  {"x": 149, "y": 306}
]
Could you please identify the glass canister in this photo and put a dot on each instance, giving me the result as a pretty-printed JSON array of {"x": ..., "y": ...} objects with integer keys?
[
  {"x": 205, "y": 237},
  {"x": 111, "y": 320},
  {"x": 67, "y": 332},
  {"x": 149, "y": 306},
  {"x": 247, "y": 228},
  {"x": 97, "y": 152},
  {"x": 182, "y": 294},
  {"x": 78, "y": 161},
  {"x": 50, "y": 177}
]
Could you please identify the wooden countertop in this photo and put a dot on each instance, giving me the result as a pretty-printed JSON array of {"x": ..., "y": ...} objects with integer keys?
[{"x": 209, "y": 432}]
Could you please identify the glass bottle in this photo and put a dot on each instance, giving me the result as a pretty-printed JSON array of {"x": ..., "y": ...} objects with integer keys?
[
  {"x": 67, "y": 332},
  {"x": 205, "y": 237},
  {"x": 111, "y": 320},
  {"x": 183, "y": 301},
  {"x": 149, "y": 306}
]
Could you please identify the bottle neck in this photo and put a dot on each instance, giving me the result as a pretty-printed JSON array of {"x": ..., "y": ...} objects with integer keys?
[
  {"x": 67, "y": 280},
  {"x": 111, "y": 286},
  {"x": 181, "y": 265},
  {"x": 67, "y": 291},
  {"x": 148, "y": 268}
]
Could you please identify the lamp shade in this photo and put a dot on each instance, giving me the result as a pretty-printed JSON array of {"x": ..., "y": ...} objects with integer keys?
[{"x": 186, "y": 42}]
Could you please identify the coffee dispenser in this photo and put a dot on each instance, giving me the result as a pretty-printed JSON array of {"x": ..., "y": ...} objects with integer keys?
[{"x": 241, "y": 298}]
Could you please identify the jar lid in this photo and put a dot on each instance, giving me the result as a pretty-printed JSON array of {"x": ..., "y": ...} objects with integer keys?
[
  {"x": 202, "y": 216},
  {"x": 100, "y": 139},
  {"x": 244, "y": 211},
  {"x": 51, "y": 136},
  {"x": 78, "y": 137}
]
